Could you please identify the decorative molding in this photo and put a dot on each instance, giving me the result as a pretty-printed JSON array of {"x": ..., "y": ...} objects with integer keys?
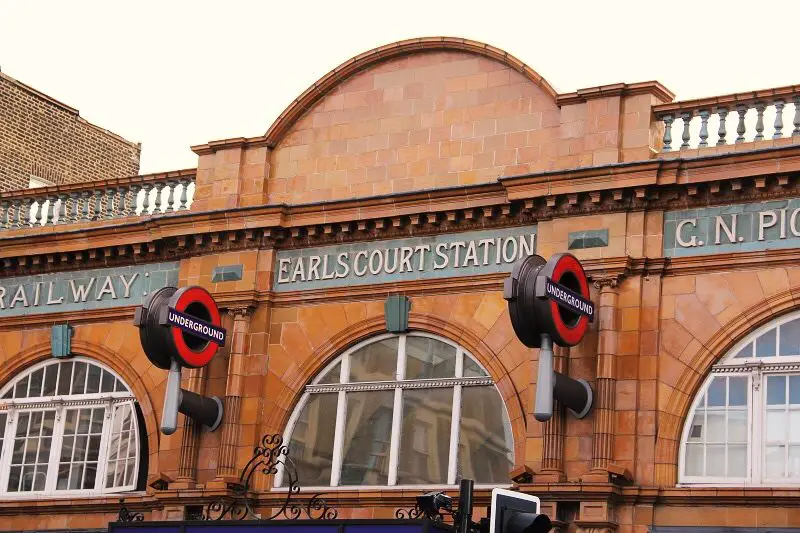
[{"x": 385, "y": 385}]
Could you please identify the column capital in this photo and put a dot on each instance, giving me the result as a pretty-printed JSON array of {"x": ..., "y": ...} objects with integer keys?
[
  {"x": 241, "y": 311},
  {"x": 607, "y": 281}
]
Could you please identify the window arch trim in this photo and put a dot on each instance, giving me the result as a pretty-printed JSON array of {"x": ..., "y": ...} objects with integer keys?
[{"x": 314, "y": 386}]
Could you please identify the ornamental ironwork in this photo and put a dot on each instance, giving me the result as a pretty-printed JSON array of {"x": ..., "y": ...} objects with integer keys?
[
  {"x": 267, "y": 458},
  {"x": 126, "y": 515}
]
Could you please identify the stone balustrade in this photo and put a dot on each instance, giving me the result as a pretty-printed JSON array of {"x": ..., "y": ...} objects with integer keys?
[
  {"x": 730, "y": 119},
  {"x": 150, "y": 195}
]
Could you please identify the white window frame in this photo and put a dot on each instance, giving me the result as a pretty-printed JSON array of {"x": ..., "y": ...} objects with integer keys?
[
  {"x": 108, "y": 400},
  {"x": 342, "y": 387},
  {"x": 756, "y": 369}
]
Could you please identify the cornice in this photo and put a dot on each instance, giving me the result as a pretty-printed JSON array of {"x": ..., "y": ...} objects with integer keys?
[{"x": 580, "y": 96}]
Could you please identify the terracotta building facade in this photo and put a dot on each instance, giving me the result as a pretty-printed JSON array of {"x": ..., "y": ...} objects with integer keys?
[{"x": 407, "y": 182}]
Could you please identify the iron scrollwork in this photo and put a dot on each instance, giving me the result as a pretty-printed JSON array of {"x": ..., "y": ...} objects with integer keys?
[
  {"x": 267, "y": 458},
  {"x": 128, "y": 516}
]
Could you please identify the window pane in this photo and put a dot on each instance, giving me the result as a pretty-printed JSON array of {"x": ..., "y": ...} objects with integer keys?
[
  {"x": 365, "y": 458},
  {"x": 107, "y": 383},
  {"x": 375, "y": 362},
  {"x": 737, "y": 426},
  {"x": 694, "y": 459},
  {"x": 93, "y": 381},
  {"x": 716, "y": 427},
  {"x": 311, "y": 444},
  {"x": 696, "y": 430},
  {"x": 64, "y": 378},
  {"x": 428, "y": 358},
  {"x": 794, "y": 390},
  {"x": 472, "y": 369},
  {"x": 333, "y": 375},
  {"x": 425, "y": 437},
  {"x": 794, "y": 426},
  {"x": 123, "y": 445},
  {"x": 765, "y": 344},
  {"x": 715, "y": 460},
  {"x": 737, "y": 390},
  {"x": 21, "y": 388},
  {"x": 746, "y": 351},
  {"x": 774, "y": 462},
  {"x": 790, "y": 337},
  {"x": 776, "y": 426},
  {"x": 794, "y": 461},
  {"x": 50, "y": 377},
  {"x": 485, "y": 443},
  {"x": 776, "y": 390},
  {"x": 716, "y": 392},
  {"x": 35, "y": 389},
  {"x": 79, "y": 379},
  {"x": 737, "y": 461}
]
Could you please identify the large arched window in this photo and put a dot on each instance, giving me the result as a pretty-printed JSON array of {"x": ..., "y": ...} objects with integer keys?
[
  {"x": 67, "y": 428},
  {"x": 744, "y": 425},
  {"x": 400, "y": 410}
]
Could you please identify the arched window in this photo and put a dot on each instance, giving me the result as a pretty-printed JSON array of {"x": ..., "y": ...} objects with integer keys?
[
  {"x": 744, "y": 425},
  {"x": 68, "y": 427},
  {"x": 400, "y": 410}
]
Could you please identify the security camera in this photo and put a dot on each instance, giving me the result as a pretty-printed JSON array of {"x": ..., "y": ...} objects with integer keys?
[{"x": 431, "y": 502}]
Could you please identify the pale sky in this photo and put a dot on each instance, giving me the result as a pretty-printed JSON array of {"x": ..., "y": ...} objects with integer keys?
[{"x": 171, "y": 74}]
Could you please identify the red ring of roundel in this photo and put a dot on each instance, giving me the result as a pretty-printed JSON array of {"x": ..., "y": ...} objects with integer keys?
[
  {"x": 570, "y": 335},
  {"x": 189, "y": 356}
]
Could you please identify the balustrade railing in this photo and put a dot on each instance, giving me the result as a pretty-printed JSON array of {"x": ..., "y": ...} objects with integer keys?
[
  {"x": 97, "y": 201},
  {"x": 730, "y": 119}
]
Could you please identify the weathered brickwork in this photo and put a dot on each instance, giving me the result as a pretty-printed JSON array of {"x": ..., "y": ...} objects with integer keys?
[
  {"x": 467, "y": 118},
  {"x": 44, "y": 138}
]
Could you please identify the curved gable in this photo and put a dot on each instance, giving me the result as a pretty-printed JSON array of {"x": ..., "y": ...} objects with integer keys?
[{"x": 420, "y": 114}]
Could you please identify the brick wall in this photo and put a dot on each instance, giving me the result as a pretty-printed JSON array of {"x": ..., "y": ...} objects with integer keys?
[
  {"x": 44, "y": 138},
  {"x": 427, "y": 120}
]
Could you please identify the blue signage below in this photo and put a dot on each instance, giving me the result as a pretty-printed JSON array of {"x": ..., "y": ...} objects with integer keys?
[
  {"x": 568, "y": 299},
  {"x": 194, "y": 326}
]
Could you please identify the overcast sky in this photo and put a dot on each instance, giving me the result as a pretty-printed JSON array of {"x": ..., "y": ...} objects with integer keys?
[{"x": 170, "y": 74}]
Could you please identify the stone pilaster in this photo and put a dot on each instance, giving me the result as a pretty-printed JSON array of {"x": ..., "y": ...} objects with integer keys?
[
  {"x": 226, "y": 466},
  {"x": 187, "y": 464},
  {"x": 605, "y": 386},
  {"x": 553, "y": 445}
]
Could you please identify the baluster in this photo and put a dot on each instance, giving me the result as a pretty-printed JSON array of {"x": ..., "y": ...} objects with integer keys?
[
  {"x": 38, "y": 215},
  {"x": 778, "y": 119},
  {"x": 686, "y": 116},
  {"x": 62, "y": 208},
  {"x": 703, "y": 128},
  {"x": 86, "y": 195},
  {"x": 723, "y": 115},
  {"x": 6, "y": 212},
  {"x": 667, "y": 133},
  {"x": 146, "y": 200},
  {"x": 18, "y": 213},
  {"x": 158, "y": 204},
  {"x": 171, "y": 184},
  {"x": 135, "y": 188},
  {"x": 122, "y": 207},
  {"x": 796, "y": 121},
  {"x": 184, "y": 202},
  {"x": 51, "y": 209},
  {"x": 110, "y": 194},
  {"x": 742, "y": 110},
  {"x": 74, "y": 213},
  {"x": 760, "y": 122},
  {"x": 98, "y": 204}
]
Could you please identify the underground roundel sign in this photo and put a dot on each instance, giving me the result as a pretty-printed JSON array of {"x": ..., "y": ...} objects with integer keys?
[
  {"x": 549, "y": 298},
  {"x": 182, "y": 325}
]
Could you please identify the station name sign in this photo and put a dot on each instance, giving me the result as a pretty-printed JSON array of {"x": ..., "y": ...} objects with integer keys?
[
  {"x": 83, "y": 290},
  {"x": 202, "y": 329},
  {"x": 427, "y": 257},
  {"x": 732, "y": 228},
  {"x": 569, "y": 299}
]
